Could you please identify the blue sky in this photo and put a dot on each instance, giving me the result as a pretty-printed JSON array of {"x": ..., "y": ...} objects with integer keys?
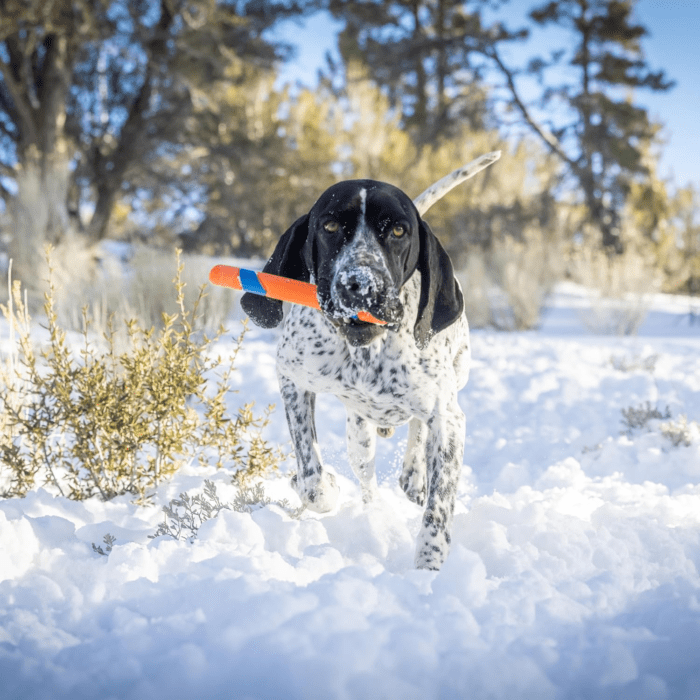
[{"x": 672, "y": 45}]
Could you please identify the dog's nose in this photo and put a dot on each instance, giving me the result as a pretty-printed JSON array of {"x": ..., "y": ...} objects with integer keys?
[{"x": 357, "y": 287}]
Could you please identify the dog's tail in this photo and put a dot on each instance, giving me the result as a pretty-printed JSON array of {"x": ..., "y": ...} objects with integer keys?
[{"x": 438, "y": 190}]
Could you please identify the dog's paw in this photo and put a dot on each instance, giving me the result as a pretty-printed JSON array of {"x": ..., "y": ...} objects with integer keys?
[
  {"x": 321, "y": 495},
  {"x": 414, "y": 485},
  {"x": 431, "y": 556},
  {"x": 427, "y": 564},
  {"x": 369, "y": 491}
]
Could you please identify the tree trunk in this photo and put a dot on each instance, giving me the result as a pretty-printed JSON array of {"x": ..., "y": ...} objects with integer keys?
[
  {"x": 420, "y": 113},
  {"x": 111, "y": 169},
  {"x": 97, "y": 228},
  {"x": 39, "y": 213},
  {"x": 39, "y": 208}
]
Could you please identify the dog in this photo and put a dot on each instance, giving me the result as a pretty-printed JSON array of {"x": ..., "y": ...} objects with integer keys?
[{"x": 367, "y": 248}]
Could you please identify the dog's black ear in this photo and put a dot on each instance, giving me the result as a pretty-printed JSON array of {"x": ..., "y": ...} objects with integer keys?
[
  {"x": 441, "y": 302},
  {"x": 287, "y": 260}
]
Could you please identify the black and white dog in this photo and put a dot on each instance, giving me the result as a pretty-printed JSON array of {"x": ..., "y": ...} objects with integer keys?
[{"x": 366, "y": 247}]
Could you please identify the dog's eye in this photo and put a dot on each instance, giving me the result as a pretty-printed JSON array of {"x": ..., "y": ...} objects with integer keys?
[
  {"x": 331, "y": 226},
  {"x": 398, "y": 230}
]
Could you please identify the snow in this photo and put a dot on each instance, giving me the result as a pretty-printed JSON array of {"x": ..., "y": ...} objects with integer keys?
[{"x": 573, "y": 572}]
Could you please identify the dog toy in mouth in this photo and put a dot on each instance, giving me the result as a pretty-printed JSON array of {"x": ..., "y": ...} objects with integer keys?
[{"x": 273, "y": 286}]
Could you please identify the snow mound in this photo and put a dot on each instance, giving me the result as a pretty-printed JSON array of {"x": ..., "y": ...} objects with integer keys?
[{"x": 573, "y": 572}]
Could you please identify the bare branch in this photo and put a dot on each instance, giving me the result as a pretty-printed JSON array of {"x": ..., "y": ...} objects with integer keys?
[
  {"x": 26, "y": 72},
  {"x": 550, "y": 139},
  {"x": 4, "y": 192},
  {"x": 112, "y": 168}
]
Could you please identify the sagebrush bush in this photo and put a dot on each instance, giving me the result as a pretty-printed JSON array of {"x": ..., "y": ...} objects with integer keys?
[
  {"x": 639, "y": 417},
  {"x": 679, "y": 431},
  {"x": 634, "y": 363},
  {"x": 108, "y": 541},
  {"x": 506, "y": 286},
  {"x": 186, "y": 514},
  {"x": 107, "y": 423},
  {"x": 140, "y": 288},
  {"x": 622, "y": 285}
]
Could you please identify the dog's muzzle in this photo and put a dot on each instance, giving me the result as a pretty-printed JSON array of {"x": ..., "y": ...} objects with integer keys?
[
  {"x": 357, "y": 289},
  {"x": 363, "y": 288},
  {"x": 360, "y": 288}
]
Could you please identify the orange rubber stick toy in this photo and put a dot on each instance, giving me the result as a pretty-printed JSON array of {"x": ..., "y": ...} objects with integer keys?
[{"x": 274, "y": 286}]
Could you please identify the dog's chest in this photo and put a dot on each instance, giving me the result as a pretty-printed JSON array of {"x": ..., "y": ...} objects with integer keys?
[{"x": 386, "y": 382}]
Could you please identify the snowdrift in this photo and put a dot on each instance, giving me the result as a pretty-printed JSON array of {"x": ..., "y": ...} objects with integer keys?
[{"x": 573, "y": 573}]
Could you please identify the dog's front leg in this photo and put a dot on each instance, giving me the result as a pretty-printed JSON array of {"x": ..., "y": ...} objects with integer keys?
[
  {"x": 316, "y": 488},
  {"x": 413, "y": 477},
  {"x": 362, "y": 443},
  {"x": 444, "y": 452}
]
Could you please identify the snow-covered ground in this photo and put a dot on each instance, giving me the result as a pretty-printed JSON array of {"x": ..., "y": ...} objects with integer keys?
[{"x": 573, "y": 574}]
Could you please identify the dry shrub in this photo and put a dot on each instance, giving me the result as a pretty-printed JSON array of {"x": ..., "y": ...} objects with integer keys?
[
  {"x": 184, "y": 516},
  {"x": 621, "y": 287},
  {"x": 679, "y": 431},
  {"x": 109, "y": 422},
  {"x": 135, "y": 282},
  {"x": 475, "y": 283},
  {"x": 507, "y": 285}
]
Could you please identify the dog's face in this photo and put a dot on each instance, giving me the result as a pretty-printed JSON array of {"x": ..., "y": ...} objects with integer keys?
[
  {"x": 365, "y": 240},
  {"x": 360, "y": 243}
]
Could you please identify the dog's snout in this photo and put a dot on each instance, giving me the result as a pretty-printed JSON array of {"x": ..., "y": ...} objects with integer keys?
[
  {"x": 361, "y": 280},
  {"x": 357, "y": 286},
  {"x": 354, "y": 285}
]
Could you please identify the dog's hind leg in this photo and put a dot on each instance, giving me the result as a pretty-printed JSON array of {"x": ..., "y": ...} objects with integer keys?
[
  {"x": 413, "y": 478},
  {"x": 317, "y": 488},
  {"x": 362, "y": 442}
]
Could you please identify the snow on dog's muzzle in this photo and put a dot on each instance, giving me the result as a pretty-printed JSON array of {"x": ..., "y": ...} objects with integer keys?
[
  {"x": 363, "y": 288},
  {"x": 356, "y": 290}
]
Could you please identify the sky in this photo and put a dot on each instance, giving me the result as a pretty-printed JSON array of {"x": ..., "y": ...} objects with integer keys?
[{"x": 671, "y": 45}]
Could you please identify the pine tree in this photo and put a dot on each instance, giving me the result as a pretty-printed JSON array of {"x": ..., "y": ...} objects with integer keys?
[
  {"x": 421, "y": 53},
  {"x": 604, "y": 142}
]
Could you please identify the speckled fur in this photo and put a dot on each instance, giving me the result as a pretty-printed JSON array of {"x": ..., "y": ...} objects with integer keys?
[
  {"x": 391, "y": 380},
  {"x": 381, "y": 385}
]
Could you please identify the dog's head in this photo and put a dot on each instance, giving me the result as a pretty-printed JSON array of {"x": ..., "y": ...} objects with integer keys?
[{"x": 360, "y": 243}]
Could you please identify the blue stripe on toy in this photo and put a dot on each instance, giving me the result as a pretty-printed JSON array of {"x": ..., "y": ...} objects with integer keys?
[{"x": 251, "y": 283}]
